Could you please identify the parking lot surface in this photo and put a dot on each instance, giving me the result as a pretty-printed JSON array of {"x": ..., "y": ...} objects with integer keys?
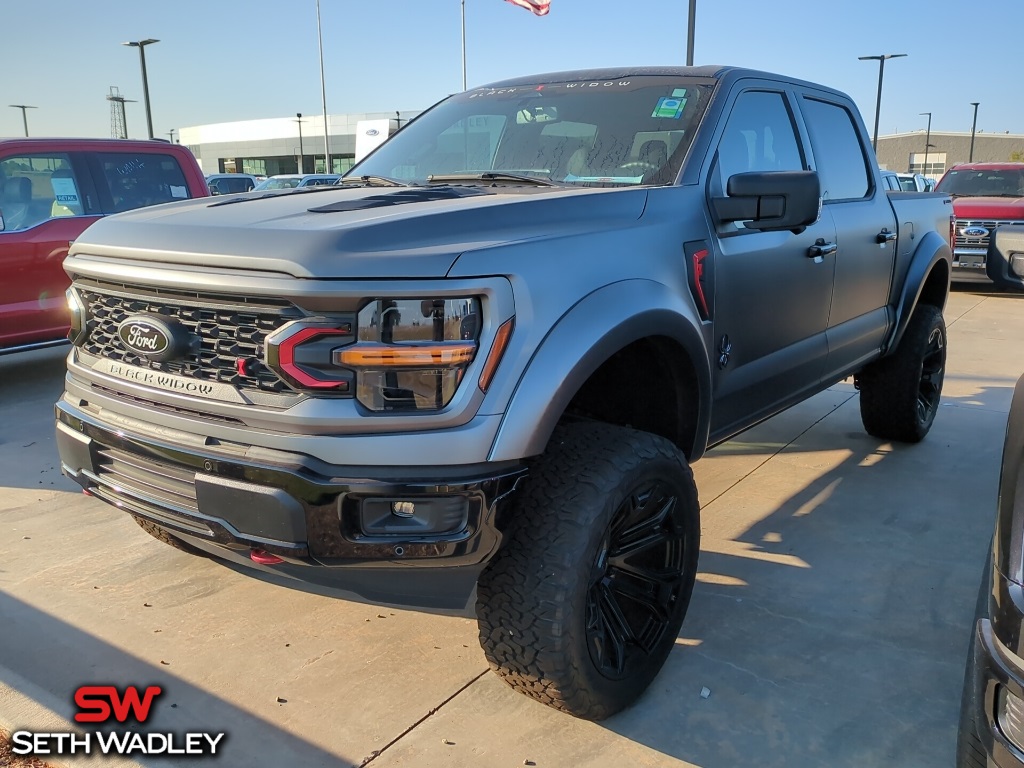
[{"x": 829, "y": 623}]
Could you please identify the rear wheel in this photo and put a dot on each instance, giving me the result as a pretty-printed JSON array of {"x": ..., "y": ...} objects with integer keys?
[
  {"x": 583, "y": 604},
  {"x": 900, "y": 394}
]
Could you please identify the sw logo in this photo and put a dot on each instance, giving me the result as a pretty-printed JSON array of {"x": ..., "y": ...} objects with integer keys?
[
  {"x": 107, "y": 704},
  {"x": 97, "y": 703}
]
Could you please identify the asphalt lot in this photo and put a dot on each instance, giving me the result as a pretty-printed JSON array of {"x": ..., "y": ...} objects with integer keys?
[{"x": 830, "y": 619}]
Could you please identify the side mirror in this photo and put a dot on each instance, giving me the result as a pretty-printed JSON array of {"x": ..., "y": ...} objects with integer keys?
[
  {"x": 771, "y": 200},
  {"x": 1, "y": 221},
  {"x": 1004, "y": 263}
]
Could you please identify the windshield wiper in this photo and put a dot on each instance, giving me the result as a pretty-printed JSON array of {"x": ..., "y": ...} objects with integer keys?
[
  {"x": 492, "y": 176},
  {"x": 372, "y": 181}
]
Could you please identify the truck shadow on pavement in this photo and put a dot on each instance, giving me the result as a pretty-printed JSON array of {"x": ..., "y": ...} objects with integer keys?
[
  {"x": 42, "y": 654},
  {"x": 833, "y": 630}
]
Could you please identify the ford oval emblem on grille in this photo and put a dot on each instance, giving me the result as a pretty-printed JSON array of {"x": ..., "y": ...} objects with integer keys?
[
  {"x": 154, "y": 337},
  {"x": 975, "y": 232}
]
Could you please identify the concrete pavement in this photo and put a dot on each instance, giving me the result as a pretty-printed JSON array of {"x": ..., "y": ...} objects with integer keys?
[{"x": 830, "y": 619}]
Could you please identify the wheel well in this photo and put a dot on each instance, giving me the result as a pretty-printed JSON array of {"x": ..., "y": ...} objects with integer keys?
[
  {"x": 650, "y": 385},
  {"x": 936, "y": 286}
]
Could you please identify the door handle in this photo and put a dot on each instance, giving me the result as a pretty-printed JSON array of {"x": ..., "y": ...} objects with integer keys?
[
  {"x": 885, "y": 236},
  {"x": 821, "y": 248}
]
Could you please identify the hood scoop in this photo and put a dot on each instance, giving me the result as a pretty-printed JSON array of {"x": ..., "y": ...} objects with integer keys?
[{"x": 400, "y": 197}]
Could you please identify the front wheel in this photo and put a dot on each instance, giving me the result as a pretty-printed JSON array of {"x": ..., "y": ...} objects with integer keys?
[
  {"x": 899, "y": 394},
  {"x": 583, "y": 604}
]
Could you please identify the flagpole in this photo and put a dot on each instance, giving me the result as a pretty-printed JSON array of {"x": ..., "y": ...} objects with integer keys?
[
  {"x": 463, "y": 44},
  {"x": 323, "y": 92}
]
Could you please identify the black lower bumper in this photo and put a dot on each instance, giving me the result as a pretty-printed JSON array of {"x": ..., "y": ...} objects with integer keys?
[
  {"x": 328, "y": 525},
  {"x": 996, "y": 672}
]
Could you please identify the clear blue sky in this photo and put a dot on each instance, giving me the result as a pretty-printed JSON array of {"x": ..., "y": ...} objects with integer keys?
[{"x": 224, "y": 60}]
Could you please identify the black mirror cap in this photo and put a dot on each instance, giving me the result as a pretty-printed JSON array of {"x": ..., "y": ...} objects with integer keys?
[
  {"x": 771, "y": 200},
  {"x": 1004, "y": 263}
]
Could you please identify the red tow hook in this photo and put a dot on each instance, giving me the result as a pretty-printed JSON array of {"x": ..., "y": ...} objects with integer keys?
[{"x": 263, "y": 557}]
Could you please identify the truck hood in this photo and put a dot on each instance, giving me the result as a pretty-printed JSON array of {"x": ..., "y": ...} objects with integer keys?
[
  {"x": 366, "y": 232},
  {"x": 989, "y": 208}
]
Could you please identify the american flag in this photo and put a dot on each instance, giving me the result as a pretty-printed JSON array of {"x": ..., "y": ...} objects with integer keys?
[{"x": 539, "y": 7}]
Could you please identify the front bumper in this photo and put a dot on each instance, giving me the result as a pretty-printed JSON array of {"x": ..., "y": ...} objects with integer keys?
[
  {"x": 230, "y": 500},
  {"x": 995, "y": 667}
]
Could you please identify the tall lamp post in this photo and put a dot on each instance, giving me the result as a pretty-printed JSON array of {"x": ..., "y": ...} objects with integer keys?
[
  {"x": 927, "y": 143},
  {"x": 24, "y": 113},
  {"x": 171, "y": 134},
  {"x": 881, "y": 71},
  {"x": 974, "y": 127},
  {"x": 302, "y": 154},
  {"x": 691, "y": 29},
  {"x": 141, "y": 45},
  {"x": 323, "y": 92}
]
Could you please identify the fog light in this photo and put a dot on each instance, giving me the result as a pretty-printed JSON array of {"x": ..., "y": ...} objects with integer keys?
[
  {"x": 429, "y": 516},
  {"x": 1017, "y": 264},
  {"x": 403, "y": 508},
  {"x": 1010, "y": 714}
]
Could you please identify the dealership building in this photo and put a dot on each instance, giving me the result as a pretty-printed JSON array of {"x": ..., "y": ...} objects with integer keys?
[
  {"x": 286, "y": 144},
  {"x": 902, "y": 152}
]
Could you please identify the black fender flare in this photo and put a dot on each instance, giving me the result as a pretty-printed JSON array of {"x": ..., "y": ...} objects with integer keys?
[
  {"x": 594, "y": 329},
  {"x": 932, "y": 253}
]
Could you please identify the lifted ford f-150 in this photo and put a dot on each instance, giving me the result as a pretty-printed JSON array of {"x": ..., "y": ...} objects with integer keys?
[{"x": 491, "y": 353}]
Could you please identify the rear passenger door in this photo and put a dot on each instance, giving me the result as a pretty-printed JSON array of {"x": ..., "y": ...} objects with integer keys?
[
  {"x": 772, "y": 295},
  {"x": 133, "y": 179},
  {"x": 865, "y": 231}
]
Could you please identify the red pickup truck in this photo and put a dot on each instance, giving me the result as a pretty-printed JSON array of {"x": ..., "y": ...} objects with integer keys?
[
  {"x": 50, "y": 191},
  {"x": 985, "y": 196}
]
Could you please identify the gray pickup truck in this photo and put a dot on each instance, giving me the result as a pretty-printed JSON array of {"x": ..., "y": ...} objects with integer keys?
[{"x": 489, "y": 355}]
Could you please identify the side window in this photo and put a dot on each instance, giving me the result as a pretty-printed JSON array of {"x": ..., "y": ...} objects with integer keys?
[
  {"x": 838, "y": 153},
  {"x": 137, "y": 179},
  {"x": 34, "y": 188},
  {"x": 759, "y": 137}
]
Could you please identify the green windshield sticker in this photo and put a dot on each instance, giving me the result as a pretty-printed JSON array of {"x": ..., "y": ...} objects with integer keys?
[
  {"x": 670, "y": 107},
  {"x": 679, "y": 93}
]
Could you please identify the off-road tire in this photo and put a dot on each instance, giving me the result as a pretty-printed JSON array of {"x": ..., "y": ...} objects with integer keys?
[
  {"x": 607, "y": 510},
  {"x": 166, "y": 537},
  {"x": 900, "y": 394}
]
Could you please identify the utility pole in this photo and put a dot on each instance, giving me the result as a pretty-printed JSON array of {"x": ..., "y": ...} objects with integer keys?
[
  {"x": 141, "y": 45},
  {"x": 974, "y": 127},
  {"x": 691, "y": 29},
  {"x": 302, "y": 153},
  {"x": 927, "y": 143},
  {"x": 24, "y": 118},
  {"x": 878, "y": 102}
]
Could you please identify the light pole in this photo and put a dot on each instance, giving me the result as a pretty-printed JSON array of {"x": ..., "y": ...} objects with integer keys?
[
  {"x": 974, "y": 127},
  {"x": 927, "y": 143},
  {"x": 141, "y": 45},
  {"x": 302, "y": 154},
  {"x": 171, "y": 134},
  {"x": 691, "y": 29},
  {"x": 323, "y": 92},
  {"x": 24, "y": 113},
  {"x": 463, "y": 44},
  {"x": 878, "y": 102}
]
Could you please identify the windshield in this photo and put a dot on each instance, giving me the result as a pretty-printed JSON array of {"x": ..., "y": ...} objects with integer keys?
[
  {"x": 983, "y": 183},
  {"x": 273, "y": 183},
  {"x": 609, "y": 133}
]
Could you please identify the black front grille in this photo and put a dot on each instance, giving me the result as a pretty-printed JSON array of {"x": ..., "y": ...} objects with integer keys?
[{"x": 225, "y": 330}]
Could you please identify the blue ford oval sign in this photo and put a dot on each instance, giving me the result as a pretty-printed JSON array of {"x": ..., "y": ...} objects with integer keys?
[
  {"x": 372, "y": 132},
  {"x": 975, "y": 232},
  {"x": 145, "y": 335}
]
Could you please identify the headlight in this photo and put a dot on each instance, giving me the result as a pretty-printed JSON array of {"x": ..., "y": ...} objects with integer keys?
[
  {"x": 411, "y": 354},
  {"x": 79, "y": 315}
]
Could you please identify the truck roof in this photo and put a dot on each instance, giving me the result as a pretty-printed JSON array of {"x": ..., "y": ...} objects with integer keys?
[{"x": 709, "y": 71}]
